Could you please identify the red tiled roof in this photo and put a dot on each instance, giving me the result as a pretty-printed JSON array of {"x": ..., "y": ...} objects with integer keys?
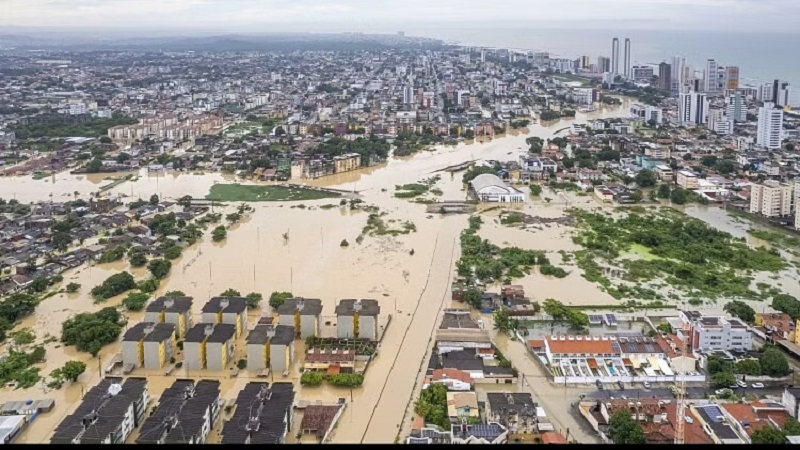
[
  {"x": 744, "y": 412},
  {"x": 551, "y": 437},
  {"x": 453, "y": 374},
  {"x": 580, "y": 347},
  {"x": 535, "y": 343}
]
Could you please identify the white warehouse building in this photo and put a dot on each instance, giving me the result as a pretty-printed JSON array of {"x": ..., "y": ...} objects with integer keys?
[{"x": 490, "y": 188}]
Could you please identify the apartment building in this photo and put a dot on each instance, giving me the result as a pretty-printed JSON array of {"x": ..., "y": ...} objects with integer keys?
[
  {"x": 209, "y": 346},
  {"x": 149, "y": 345},
  {"x": 230, "y": 310},
  {"x": 301, "y": 313},
  {"x": 358, "y": 319},
  {"x": 174, "y": 310},
  {"x": 263, "y": 414},
  {"x": 185, "y": 414},
  {"x": 772, "y": 198},
  {"x": 717, "y": 333},
  {"x": 687, "y": 179}
]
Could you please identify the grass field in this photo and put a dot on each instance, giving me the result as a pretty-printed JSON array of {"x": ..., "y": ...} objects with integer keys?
[
  {"x": 643, "y": 252},
  {"x": 251, "y": 193}
]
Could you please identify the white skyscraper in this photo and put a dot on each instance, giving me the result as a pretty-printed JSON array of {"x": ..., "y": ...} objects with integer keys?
[
  {"x": 626, "y": 70},
  {"x": 693, "y": 108},
  {"x": 711, "y": 74},
  {"x": 770, "y": 126},
  {"x": 483, "y": 56},
  {"x": 677, "y": 79},
  {"x": 735, "y": 107},
  {"x": 408, "y": 94},
  {"x": 719, "y": 122},
  {"x": 615, "y": 56}
]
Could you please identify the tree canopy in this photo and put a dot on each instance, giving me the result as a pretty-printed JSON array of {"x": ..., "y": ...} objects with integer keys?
[
  {"x": 741, "y": 310},
  {"x": 89, "y": 332},
  {"x": 623, "y": 429},
  {"x": 114, "y": 285},
  {"x": 276, "y": 299}
]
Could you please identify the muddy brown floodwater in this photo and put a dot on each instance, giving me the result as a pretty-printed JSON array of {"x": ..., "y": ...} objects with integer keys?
[{"x": 413, "y": 289}]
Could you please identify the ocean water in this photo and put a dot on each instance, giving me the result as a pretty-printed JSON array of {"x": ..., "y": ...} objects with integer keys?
[{"x": 763, "y": 56}]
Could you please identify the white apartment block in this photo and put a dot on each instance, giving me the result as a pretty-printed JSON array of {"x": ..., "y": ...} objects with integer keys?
[
  {"x": 717, "y": 333},
  {"x": 797, "y": 204},
  {"x": 693, "y": 108},
  {"x": 771, "y": 199},
  {"x": 770, "y": 126},
  {"x": 687, "y": 179},
  {"x": 719, "y": 122}
]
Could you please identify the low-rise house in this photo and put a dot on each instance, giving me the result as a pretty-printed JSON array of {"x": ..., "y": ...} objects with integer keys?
[
  {"x": 174, "y": 310},
  {"x": 515, "y": 411},
  {"x": 320, "y": 420},
  {"x": 778, "y": 325},
  {"x": 455, "y": 380},
  {"x": 149, "y": 345},
  {"x": 108, "y": 413},
  {"x": 301, "y": 313},
  {"x": 270, "y": 346},
  {"x": 358, "y": 319},
  {"x": 462, "y": 405},
  {"x": 490, "y": 433},
  {"x": 185, "y": 414},
  {"x": 458, "y": 331},
  {"x": 230, "y": 310},
  {"x": 209, "y": 346},
  {"x": 263, "y": 414},
  {"x": 330, "y": 361}
]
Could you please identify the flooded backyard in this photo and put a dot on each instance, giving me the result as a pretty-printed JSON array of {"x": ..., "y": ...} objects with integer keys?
[{"x": 412, "y": 287}]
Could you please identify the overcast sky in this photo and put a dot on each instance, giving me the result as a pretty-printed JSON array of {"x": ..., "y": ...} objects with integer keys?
[{"x": 392, "y": 15}]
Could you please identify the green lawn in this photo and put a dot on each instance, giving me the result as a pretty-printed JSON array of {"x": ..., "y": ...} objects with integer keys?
[
  {"x": 254, "y": 193},
  {"x": 643, "y": 252}
]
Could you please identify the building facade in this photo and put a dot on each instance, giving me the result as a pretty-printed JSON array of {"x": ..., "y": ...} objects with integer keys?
[
  {"x": 771, "y": 198},
  {"x": 770, "y": 126}
]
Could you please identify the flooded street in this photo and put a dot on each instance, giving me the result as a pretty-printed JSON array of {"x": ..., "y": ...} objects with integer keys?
[{"x": 413, "y": 289}]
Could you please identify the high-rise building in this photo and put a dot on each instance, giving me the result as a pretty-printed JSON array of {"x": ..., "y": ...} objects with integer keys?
[
  {"x": 797, "y": 203},
  {"x": 692, "y": 108},
  {"x": 603, "y": 64},
  {"x": 789, "y": 96},
  {"x": 584, "y": 62},
  {"x": 408, "y": 94},
  {"x": 764, "y": 92},
  {"x": 664, "y": 76},
  {"x": 719, "y": 122},
  {"x": 770, "y": 126},
  {"x": 731, "y": 81},
  {"x": 615, "y": 56},
  {"x": 641, "y": 74},
  {"x": 777, "y": 85},
  {"x": 710, "y": 77},
  {"x": 677, "y": 74},
  {"x": 735, "y": 107},
  {"x": 483, "y": 56},
  {"x": 626, "y": 61},
  {"x": 771, "y": 198}
]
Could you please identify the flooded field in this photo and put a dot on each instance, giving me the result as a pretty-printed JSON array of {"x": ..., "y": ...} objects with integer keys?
[{"x": 255, "y": 257}]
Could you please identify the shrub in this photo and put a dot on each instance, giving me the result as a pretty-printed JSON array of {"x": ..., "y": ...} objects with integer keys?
[{"x": 311, "y": 379}]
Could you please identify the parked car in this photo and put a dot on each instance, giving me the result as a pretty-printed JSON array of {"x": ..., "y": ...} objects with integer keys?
[
  {"x": 647, "y": 385},
  {"x": 757, "y": 385},
  {"x": 722, "y": 391},
  {"x": 741, "y": 384}
]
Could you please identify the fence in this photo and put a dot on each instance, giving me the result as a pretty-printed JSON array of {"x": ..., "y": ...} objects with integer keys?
[{"x": 629, "y": 379}]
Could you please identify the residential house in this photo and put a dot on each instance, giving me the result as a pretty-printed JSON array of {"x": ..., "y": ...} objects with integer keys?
[
  {"x": 515, "y": 411},
  {"x": 301, "y": 313},
  {"x": 358, "y": 319},
  {"x": 491, "y": 433},
  {"x": 107, "y": 414},
  {"x": 209, "y": 346},
  {"x": 320, "y": 420},
  {"x": 462, "y": 406},
  {"x": 230, "y": 310},
  {"x": 174, "y": 310},
  {"x": 331, "y": 361},
  {"x": 455, "y": 380}
]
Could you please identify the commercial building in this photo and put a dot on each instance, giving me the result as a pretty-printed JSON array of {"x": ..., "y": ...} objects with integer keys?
[
  {"x": 771, "y": 198},
  {"x": 710, "y": 333},
  {"x": 487, "y": 187},
  {"x": 687, "y": 179},
  {"x": 149, "y": 345},
  {"x": 185, "y": 414},
  {"x": 714, "y": 78},
  {"x": 692, "y": 108},
  {"x": 719, "y": 122},
  {"x": 209, "y": 346},
  {"x": 731, "y": 78},
  {"x": 642, "y": 74},
  {"x": 229, "y": 310},
  {"x": 108, "y": 413},
  {"x": 270, "y": 346},
  {"x": 615, "y": 56},
  {"x": 174, "y": 310},
  {"x": 302, "y": 314},
  {"x": 263, "y": 415},
  {"x": 603, "y": 64},
  {"x": 358, "y": 319},
  {"x": 770, "y": 126},
  {"x": 735, "y": 107},
  {"x": 677, "y": 74}
]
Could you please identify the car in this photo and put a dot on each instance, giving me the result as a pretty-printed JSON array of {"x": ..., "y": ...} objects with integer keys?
[
  {"x": 757, "y": 385},
  {"x": 621, "y": 386},
  {"x": 646, "y": 385},
  {"x": 741, "y": 384},
  {"x": 733, "y": 387},
  {"x": 722, "y": 391}
]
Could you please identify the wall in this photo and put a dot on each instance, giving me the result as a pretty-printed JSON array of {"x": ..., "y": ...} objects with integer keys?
[
  {"x": 130, "y": 353},
  {"x": 309, "y": 325},
  {"x": 209, "y": 317},
  {"x": 277, "y": 360},
  {"x": 255, "y": 357},
  {"x": 191, "y": 355},
  {"x": 344, "y": 327}
]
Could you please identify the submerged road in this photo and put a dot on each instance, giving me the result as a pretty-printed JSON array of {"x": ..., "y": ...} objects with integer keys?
[{"x": 388, "y": 412}]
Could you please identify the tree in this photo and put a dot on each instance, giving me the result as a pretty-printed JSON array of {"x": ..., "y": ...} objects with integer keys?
[
  {"x": 95, "y": 165},
  {"x": 536, "y": 189},
  {"x": 253, "y": 299},
  {"x": 72, "y": 288},
  {"x": 473, "y": 297},
  {"x": 723, "y": 379},
  {"x": 708, "y": 160},
  {"x": 105, "y": 140},
  {"x": 185, "y": 201},
  {"x": 154, "y": 200},
  {"x": 724, "y": 166},
  {"x": 137, "y": 259},
  {"x": 473, "y": 172},
  {"x": 679, "y": 196},
  {"x": 230, "y": 292},
  {"x": 791, "y": 426},
  {"x": 663, "y": 191},
  {"x": 645, "y": 178},
  {"x": 555, "y": 309},
  {"x": 219, "y": 233},
  {"x": 135, "y": 301},
  {"x": 159, "y": 268},
  {"x": 747, "y": 367},
  {"x": 89, "y": 332},
  {"x": 623, "y": 429},
  {"x": 788, "y": 304},
  {"x": 578, "y": 320},
  {"x": 774, "y": 363},
  {"x": 114, "y": 285},
  {"x": 741, "y": 310},
  {"x": 24, "y": 336},
  {"x": 175, "y": 294},
  {"x": 768, "y": 435},
  {"x": 636, "y": 196},
  {"x": 276, "y": 299},
  {"x": 61, "y": 241},
  {"x": 311, "y": 379},
  {"x": 503, "y": 322},
  {"x": 72, "y": 370}
]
